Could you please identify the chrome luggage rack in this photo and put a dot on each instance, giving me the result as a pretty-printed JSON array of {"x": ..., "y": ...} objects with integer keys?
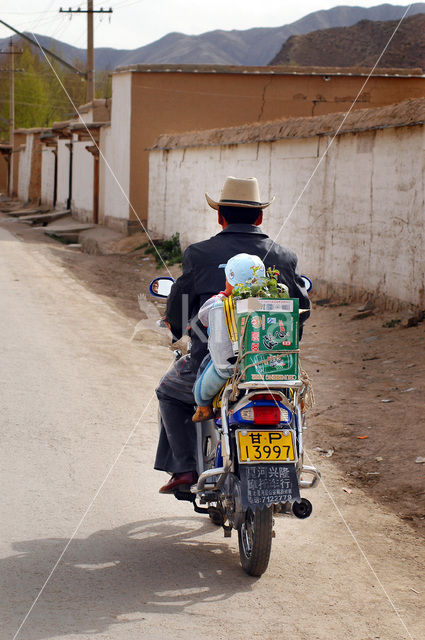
[{"x": 270, "y": 384}]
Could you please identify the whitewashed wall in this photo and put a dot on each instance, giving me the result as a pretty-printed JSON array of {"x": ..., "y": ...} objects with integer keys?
[
  {"x": 24, "y": 173},
  {"x": 47, "y": 176},
  {"x": 82, "y": 181},
  {"x": 358, "y": 227},
  {"x": 116, "y": 182},
  {"x": 104, "y": 174},
  {"x": 62, "y": 174}
]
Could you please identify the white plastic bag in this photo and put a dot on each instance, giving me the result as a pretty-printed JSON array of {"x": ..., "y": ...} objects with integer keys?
[{"x": 219, "y": 343}]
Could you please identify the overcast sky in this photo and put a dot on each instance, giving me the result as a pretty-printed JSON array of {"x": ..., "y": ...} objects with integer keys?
[{"x": 138, "y": 22}]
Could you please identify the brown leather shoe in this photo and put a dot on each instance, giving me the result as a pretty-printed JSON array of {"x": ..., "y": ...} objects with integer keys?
[
  {"x": 179, "y": 482},
  {"x": 203, "y": 413}
]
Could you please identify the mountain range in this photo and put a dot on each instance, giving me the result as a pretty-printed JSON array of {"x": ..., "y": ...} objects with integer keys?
[
  {"x": 359, "y": 45},
  {"x": 256, "y": 46}
]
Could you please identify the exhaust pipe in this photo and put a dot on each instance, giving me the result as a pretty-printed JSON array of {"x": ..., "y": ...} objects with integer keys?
[{"x": 209, "y": 473}]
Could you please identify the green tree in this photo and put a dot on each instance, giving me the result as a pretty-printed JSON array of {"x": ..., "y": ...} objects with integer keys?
[
  {"x": 40, "y": 98},
  {"x": 103, "y": 85}
]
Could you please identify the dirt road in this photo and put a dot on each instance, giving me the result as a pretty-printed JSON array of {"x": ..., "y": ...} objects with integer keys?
[{"x": 78, "y": 415}]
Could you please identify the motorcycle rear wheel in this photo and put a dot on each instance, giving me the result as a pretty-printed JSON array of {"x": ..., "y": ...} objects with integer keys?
[{"x": 255, "y": 540}]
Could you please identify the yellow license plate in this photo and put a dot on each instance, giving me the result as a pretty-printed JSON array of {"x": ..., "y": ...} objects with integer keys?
[{"x": 265, "y": 446}]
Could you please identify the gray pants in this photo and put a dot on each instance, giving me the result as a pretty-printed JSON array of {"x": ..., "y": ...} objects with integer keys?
[{"x": 177, "y": 439}]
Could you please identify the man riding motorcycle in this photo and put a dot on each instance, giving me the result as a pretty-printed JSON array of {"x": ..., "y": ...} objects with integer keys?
[{"x": 240, "y": 212}]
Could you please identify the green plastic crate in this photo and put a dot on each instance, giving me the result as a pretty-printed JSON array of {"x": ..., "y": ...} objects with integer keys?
[{"x": 268, "y": 339}]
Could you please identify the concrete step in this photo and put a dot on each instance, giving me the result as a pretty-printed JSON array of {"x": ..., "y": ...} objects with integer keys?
[
  {"x": 45, "y": 218},
  {"x": 99, "y": 241},
  {"x": 17, "y": 213},
  {"x": 67, "y": 228}
]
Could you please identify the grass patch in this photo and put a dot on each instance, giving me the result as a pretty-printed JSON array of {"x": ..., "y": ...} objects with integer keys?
[
  {"x": 140, "y": 246},
  {"x": 62, "y": 239},
  {"x": 169, "y": 251},
  {"x": 392, "y": 323}
]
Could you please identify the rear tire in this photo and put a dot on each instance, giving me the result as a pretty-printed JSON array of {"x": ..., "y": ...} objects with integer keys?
[{"x": 255, "y": 540}]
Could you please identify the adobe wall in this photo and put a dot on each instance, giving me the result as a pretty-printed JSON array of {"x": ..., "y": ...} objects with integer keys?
[
  {"x": 175, "y": 102},
  {"x": 358, "y": 227},
  {"x": 83, "y": 182},
  {"x": 24, "y": 170},
  {"x": 62, "y": 178},
  {"x": 47, "y": 175},
  {"x": 19, "y": 140},
  {"x": 104, "y": 146},
  {"x": 28, "y": 151},
  {"x": 115, "y": 166},
  {"x": 34, "y": 189},
  {"x": 4, "y": 171}
]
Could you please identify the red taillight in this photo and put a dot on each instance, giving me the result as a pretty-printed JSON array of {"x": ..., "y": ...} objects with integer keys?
[
  {"x": 266, "y": 415},
  {"x": 267, "y": 396}
]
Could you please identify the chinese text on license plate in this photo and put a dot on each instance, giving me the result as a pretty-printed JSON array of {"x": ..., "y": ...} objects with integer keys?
[{"x": 265, "y": 446}]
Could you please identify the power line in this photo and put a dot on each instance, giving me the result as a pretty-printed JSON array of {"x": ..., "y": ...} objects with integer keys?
[
  {"x": 126, "y": 3},
  {"x": 47, "y": 51},
  {"x": 36, "y": 104},
  {"x": 28, "y": 23},
  {"x": 19, "y": 13}
]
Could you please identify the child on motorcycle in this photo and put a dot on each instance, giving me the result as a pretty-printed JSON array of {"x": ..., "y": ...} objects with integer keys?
[{"x": 239, "y": 269}]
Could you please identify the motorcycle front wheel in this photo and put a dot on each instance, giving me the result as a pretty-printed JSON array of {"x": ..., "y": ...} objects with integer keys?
[{"x": 255, "y": 540}]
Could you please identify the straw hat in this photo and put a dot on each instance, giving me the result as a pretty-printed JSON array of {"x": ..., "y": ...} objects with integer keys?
[{"x": 239, "y": 192}]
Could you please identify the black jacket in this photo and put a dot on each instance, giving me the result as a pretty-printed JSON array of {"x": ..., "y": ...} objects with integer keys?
[{"x": 202, "y": 278}]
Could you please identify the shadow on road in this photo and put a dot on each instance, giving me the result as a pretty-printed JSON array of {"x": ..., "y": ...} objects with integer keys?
[{"x": 115, "y": 576}]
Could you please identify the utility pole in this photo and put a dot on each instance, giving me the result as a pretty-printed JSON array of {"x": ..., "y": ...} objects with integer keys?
[
  {"x": 90, "y": 43},
  {"x": 12, "y": 52},
  {"x": 90, "y": 52}
]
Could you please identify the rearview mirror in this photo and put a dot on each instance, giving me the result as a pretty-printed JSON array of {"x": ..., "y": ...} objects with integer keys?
[
  {"x": 161, "y": 287},
  {"x": 308, "y": 285}
]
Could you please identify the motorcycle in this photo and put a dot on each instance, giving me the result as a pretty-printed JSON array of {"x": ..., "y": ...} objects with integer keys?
[{"x": 250, "y": 456}]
